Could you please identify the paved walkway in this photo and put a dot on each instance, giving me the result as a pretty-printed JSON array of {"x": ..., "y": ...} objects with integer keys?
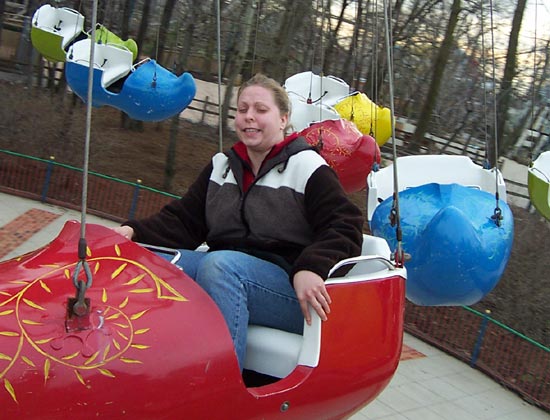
[{"x": 429, "y": 384}]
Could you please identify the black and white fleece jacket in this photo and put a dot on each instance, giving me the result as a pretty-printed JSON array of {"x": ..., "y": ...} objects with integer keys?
[{"x": 295, "y": 213}]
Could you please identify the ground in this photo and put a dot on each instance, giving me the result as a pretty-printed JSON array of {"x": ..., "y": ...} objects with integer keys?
[{"x": 41, "y": 124}]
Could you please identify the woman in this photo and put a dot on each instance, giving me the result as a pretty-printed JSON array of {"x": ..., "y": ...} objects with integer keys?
[{"x": 273, "y": 214}]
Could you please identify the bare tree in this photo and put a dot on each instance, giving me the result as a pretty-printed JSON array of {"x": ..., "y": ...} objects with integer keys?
[
  {"x": 351, "y": 62},
  {"x": 533, "y": 112},
  {"x": 2, "y": 9},
  {"x": 164, "y": 28},
  {"x": 332, "y": 43},
  {"x": 238, "y": 57},
  {"x": 505, "y": 94},
  {"x": 438, "y": 70},
  {"x": 126, "y": 15},
  {"x": 289, "y": 25},
  {"x": 191, "y": 17},
  {"x": 144, "y": 24},
  {"x": 210, "y": 50}
]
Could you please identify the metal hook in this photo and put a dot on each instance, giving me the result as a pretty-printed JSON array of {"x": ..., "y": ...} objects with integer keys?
[
  {"x": 497, "y": 216},
  {"x": 80, "y": 305}
]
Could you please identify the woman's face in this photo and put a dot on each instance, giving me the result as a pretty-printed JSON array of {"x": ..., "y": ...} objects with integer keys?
[{"x": 259, "y": 123}]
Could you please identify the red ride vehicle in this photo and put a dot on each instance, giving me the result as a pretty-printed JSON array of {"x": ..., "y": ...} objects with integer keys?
[{"x": 152, "y": 344}]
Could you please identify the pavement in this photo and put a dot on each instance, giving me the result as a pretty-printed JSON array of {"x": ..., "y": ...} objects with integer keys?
[{"x": 428, "y": 385}]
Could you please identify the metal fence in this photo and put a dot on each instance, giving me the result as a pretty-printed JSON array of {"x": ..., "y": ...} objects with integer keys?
[
  {"x": 57, "y": 183},
  {"x": 509, "y": 357}
]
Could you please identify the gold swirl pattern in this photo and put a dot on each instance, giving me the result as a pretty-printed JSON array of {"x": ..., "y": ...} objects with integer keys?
[{"x": 36, "y": 332}]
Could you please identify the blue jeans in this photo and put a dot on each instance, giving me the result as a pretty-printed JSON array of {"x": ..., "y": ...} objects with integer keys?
[{"x": 248, "y": 290}]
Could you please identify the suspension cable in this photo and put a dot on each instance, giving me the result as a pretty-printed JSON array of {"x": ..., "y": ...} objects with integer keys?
[
  {"x": 493, "y": 76},
  {"x": 354, "y": 73},
  {"x": 80, "y": 307},
  {"x": 322, "y": 64},
  {"x": 533, "y": 93},
  {"x": 497, "y": 215},
  {"x": 374, "y": 70},
  {"x": 399, "y": 256},
  {"x": 218, "y": 42},
  {"x": 253, "y": 64},
  {"x": 485, "y": 99},
  {"x": 154, "y": 81}
]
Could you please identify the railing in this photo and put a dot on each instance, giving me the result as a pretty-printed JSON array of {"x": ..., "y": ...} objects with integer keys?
[
  {"x": 57, "y": 183},
  {"x": 509, "y": 357}
]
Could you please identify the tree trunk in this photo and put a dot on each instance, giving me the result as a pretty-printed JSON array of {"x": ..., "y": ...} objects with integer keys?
[
  {"x": 102, "y": 12},
  {"x": 333, "y": 40},
  {"x": 143, "y": 27},
  {"x": 238, "y": 59},
  {"x": 290, "y": 23},
  {"x": 169, "y": 169},
  {"x": 211, "y": 54},
  {"x": 531, "y": 116},
  {"x": 2, "y": 9},
  {"x": 505, "y": 94},
  {"x": 193, "y": 17},
  {"x": 439, "y": 68},
  {"x": 27, "y": 50},
  {"x": 126, "y": 15},
  {"x": 163, "y": 30},
  {"x": 350, "y": 65}
]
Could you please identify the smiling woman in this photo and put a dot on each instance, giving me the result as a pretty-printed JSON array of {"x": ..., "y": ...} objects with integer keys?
[
  {"x": 262, "y": 118},
  {"x": 274, "y": 216}
]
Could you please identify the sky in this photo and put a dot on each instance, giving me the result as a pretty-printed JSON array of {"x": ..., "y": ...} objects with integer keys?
[{"x": 537, "y": 19}]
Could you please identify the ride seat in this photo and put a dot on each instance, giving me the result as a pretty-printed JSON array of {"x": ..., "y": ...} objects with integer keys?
[
  {"x": 275, "y": 352},
  {"x": 417, "y": 170},
  {"x": 327, "y": 90},
  {"x": 65, "y": 22},
  {"x": 304, "y": 114},
  {"x": 114, "y": 60}
]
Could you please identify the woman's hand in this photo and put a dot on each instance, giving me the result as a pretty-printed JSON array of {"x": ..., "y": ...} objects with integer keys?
[
  {"x": 310, "y": 288},
  {"x": 125, "y": 231}
]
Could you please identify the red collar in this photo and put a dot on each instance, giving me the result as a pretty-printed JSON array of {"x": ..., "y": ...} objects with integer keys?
[{"x": 240, "y": 149}]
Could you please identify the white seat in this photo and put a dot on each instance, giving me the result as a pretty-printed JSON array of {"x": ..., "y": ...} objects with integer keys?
[
  {"x": 417, "y": 170},
  {"x": 276, "y": 353},
  {"x": 65, "y": 22},
  {"x": 114, "y": 60},
  {"x": 541, "y": 167},
  {"x": 327, "y": 90},
  {"x": 303, "y": 114}
]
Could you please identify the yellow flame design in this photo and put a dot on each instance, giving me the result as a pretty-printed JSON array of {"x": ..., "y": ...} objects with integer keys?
[
  {"x": 10, "y": 389},
  {"x": 46, "y": 370}
]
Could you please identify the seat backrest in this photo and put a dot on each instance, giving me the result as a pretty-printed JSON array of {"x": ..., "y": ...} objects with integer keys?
[
  {"x": 66, "y": 22},
  {"x": 327, "y": 90},
  {"x": 413, "y": 171},
  {"x": 542, "y": 164},
  {"x": 303, "y": 114},
  {"x": 276, "y": 353},
  {"x": 115, "y": 61}
]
